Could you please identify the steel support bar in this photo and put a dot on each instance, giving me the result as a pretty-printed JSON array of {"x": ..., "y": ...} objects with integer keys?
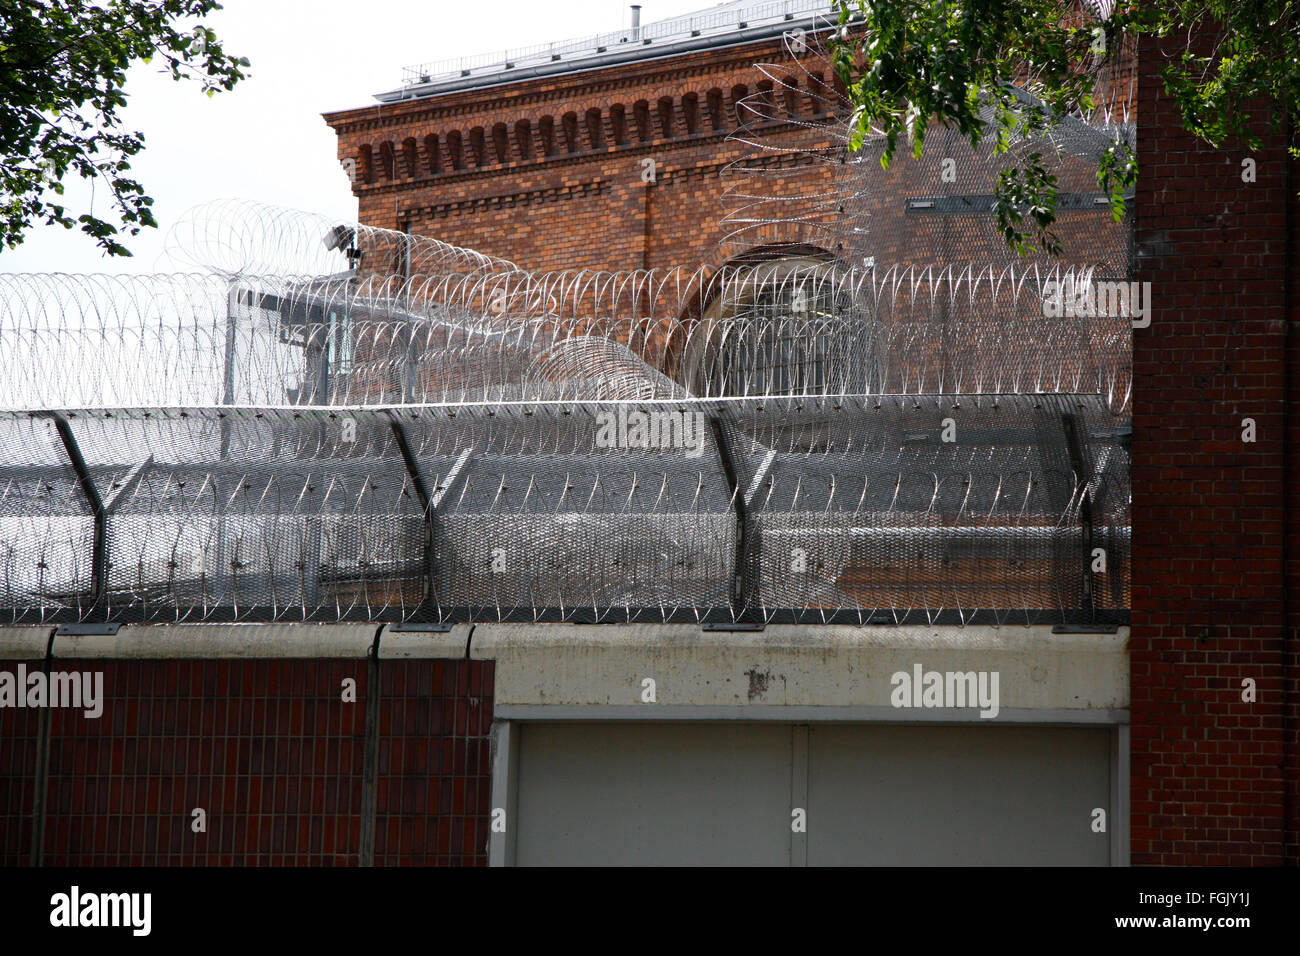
[
  {"x": 429, "y": 601},
  {"x": 738, "y": 598},
  {"x": 99, "y": 545},
  {"x": 127, "y": 485},
  {"x": 1073, "y": 443},
  {"x": 370, "y": 754}
]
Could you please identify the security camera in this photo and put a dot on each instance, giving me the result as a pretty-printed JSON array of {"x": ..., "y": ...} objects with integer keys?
[{"x": 340, "y": 237}]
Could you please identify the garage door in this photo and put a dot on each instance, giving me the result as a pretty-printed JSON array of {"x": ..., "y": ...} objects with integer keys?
[{"x": 723, "y": 794}]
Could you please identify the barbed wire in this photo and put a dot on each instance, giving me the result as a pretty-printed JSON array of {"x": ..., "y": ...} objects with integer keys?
[
  {"x": 805, "y": 330},
  {"x": 727, "y": 510}
]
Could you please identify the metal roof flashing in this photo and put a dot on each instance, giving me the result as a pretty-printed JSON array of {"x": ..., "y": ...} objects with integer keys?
[{"x": 730, "y": 24}]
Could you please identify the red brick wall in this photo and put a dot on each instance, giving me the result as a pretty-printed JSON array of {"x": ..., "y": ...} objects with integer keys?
[
  {"x": 272, "y": 754},
  {"x": 19, "y": 750},
  {"x": 435, "y": 776},
  {"x": 1211, "y": 522},
  {"x": 588, "y": 209},
  {"x": 591, "y": 209}
]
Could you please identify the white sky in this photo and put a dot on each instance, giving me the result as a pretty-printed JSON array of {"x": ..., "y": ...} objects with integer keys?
[{"x": 266, "y": 140}]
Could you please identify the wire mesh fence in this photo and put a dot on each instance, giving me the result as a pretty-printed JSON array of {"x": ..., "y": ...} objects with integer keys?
[{"x": 1010, "y": 508}]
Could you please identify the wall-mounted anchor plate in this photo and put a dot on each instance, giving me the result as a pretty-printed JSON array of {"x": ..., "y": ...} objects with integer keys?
[{"x": 86, "y": 630}]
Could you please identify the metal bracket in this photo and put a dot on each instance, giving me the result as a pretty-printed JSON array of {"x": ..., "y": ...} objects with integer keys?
[
  {"x": 86, "y": 630},
  {"x": 733, "y": 626},
  {"x": 437, "y": 628},
  {"x": 737, "y": 588},
  {"x": 1085, "y": 629},
  {"x": 983, "y": 204},
  {"x": 127, "y": 485}
]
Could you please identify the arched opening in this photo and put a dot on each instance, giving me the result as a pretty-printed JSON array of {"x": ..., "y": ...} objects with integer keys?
[
  {"x": 790, "y": 92},
  {"x": 641, "y": 113},
  {"x": 524, "y": 139},
  {"x": 410, "y": 157},
  {"x": 595, "y": 132},
  {"x": 666, "y": 117},
  {"x": 546, "y": 133},
  {"x": 786, "y": 319},
  {"x": 691, "y": 112},
  {"x": 570, "y": 132},
  {"x": 455, "y": 150},
  {"x": 501, "y": 143},
  {"x": 432, "y": 154},
  {"x": 618, "y": 124},
  {"x": 477, "y": 147},
  {"x": 717, "y": 112},
  {"x": 738, "y": 93}
]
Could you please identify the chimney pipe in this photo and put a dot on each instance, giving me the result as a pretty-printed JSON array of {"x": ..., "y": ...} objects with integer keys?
[{"x": 636, "y": 21}]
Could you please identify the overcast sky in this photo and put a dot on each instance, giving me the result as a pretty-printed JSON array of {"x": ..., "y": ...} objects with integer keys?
[{"x": 266, "y": 139}]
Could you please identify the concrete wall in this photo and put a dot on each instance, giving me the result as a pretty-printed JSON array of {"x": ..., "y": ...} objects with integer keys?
[{"x": 793, "y": 670}]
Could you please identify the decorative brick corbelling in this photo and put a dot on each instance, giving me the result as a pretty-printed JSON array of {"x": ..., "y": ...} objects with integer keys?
[{"x": 533, "y": 92}]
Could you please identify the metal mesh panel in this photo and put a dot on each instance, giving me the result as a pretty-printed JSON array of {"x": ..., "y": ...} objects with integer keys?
[
  {"x": 606, "y": 511},
  {"x": 265, "y": 748},
  {"x": 901, "y": 521},
  {"x": 48, "y": 534}
]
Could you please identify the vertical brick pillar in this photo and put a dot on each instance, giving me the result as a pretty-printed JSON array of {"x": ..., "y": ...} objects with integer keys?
[
  {"x": 1291, "y": 715},
  {"x": 1210, "y": 521}
]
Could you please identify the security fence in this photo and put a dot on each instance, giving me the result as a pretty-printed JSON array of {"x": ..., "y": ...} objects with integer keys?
[{"x": 885, "y": 509}]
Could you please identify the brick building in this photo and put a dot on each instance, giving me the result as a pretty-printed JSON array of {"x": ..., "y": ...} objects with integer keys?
[{"x": 564, "y": 145}]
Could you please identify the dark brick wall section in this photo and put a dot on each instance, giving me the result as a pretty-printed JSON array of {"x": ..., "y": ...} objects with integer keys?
[
  {"x": 269, "y": 750},
  {"x": 19, "y": 730},
  {"x": 434, "y": 771},
  {"x": 1291, "y": 727},
  {"x": 1211, "y": 581}
]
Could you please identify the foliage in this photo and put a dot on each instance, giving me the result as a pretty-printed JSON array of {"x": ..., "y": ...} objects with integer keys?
[
  {"x": 63, "y": 69},
  {"x": 966, "y": 64}
]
